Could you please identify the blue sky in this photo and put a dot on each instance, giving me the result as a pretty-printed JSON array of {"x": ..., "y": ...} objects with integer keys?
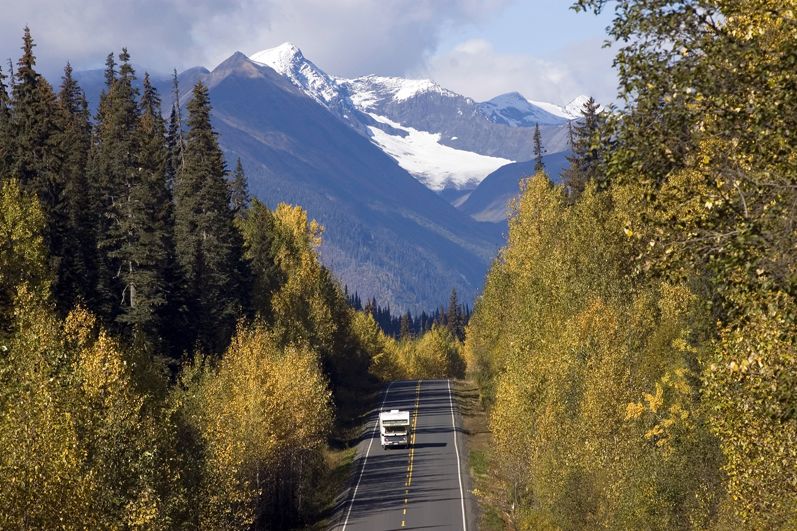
[
  {"x": 540, "y": 48},
  {"x": 540, "y": 27},
  {"x": 479, "y": 48}
]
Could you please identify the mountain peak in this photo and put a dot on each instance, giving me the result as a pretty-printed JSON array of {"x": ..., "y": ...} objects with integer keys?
[
  {"x": 510, "y": 98},
  {"x": 281, "y": 58},
  {"x": 288, "y": 61},
  {"x": 516, "y": 110},
  {"x": 369, "y": 92},
  {"x": 514, "y": 95},
  {"x": 575, "y": 106},
  {"x": 237, "y": 62}
]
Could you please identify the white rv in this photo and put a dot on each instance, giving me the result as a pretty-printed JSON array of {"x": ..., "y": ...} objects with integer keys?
[{"x": 394, "y": 428}]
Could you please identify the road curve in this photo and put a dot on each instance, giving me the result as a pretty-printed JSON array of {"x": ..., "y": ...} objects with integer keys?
[{"x": 425, "y": 486}]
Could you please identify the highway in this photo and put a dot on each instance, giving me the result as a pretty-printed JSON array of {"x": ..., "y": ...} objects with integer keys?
[{"x": 424, "y": 486}]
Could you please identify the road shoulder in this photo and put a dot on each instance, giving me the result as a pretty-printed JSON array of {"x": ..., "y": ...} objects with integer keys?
[{"x": 490, "y": 512}]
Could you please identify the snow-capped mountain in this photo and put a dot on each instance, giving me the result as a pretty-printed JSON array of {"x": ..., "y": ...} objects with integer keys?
[
  {"x": 372, "y": 92},
  {"x": 574, "y": 108},
  {"x": 287, "y": 59},
  {"x": 442, "y": 138},
  {"x": 515, "y": 110}
]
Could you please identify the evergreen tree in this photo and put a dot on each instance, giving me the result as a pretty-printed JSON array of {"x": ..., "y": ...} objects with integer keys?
[
  {"x": 110, "y": 71},
  {"x": 37, "y": 154},
  {"x": 75, "y": 281},
  {"x": 258, "y": 232},
  {"x": 538, "y": 150},
  {"x": 33, "y": 111},
  {"x": 114, "y": 168},
  {"x": 6, "y": 137},
  {"x": 406, "y": 327},
  {"x": 173, "y": 149},
  {"x": 208, "y": 245},
  {"x": 239, "y": 190},
  {"x": 454, "y": 321},
  {"x": 587, "y": 144},
  {"x": 178, "y": 115},
  {"x": 145, "y": 254}
]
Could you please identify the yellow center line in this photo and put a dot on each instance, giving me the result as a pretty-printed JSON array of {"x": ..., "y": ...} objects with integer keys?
[{"x": 411, "y": 441}]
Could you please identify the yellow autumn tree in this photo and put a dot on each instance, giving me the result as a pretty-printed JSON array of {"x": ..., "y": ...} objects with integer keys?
[
  {"x": 752, "y": 387},
  {"x": 85, "y": 447},
  {"x": 436, "y": 354},
  {"x": 581, "y": 338},
  {"x": 42, "y": 459},
  {"x": 309, "y": 307},
  {"x": 23, "y": 255},
  {"x": 262, "y": 415}
]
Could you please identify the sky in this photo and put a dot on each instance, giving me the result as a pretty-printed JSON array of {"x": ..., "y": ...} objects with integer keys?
[{"x": 478, "y": 48}]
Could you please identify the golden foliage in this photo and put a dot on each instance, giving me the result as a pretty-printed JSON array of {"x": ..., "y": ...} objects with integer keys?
[
  {"x": 262, "y": 414},
  {"x": 436, "y": 354},
  {"x": 81, "y": 448},
  {"x": 752, "y": 386},
  {"x": 23, "y": 255},
  {"x": 577, "y": 347}
]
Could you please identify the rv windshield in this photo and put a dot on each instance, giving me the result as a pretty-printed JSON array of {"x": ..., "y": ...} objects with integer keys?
[{"x": 396, "y": 429}]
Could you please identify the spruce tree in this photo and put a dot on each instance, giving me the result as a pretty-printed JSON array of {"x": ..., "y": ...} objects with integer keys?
[
  {"x": 146, "y": 250},
  {"x": 454, "y": 321},
  {"x": 258, "y": 230},
  {"x": 405, "y": 328},
  {"x": 76, "y": 279},
  {"x": 178, "y": 118},
  {"x": 239, "y": 190},
  {"x": 175, "y": 142},
  {"x": 173, "y": 148},
  {"x": 6, "y": 136},
  {"x": 209, "y": 246},
  {"x": 539, "y": 166},
  {"x": 33, "y": 111},
  {"x": 114, "y": 169},
  {"x": 588, "y": 148},
  {"x": 110, "y": 71},
  {"x": 37, "y": 157}
]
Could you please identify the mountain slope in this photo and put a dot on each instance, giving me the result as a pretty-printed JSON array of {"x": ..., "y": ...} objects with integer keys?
[
  {"x": 490, "y": 200},
  {"x": 387, "y": 235}
]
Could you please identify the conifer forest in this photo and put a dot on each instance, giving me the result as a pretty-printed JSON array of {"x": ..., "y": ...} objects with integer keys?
[{"x": 175, "y": 355}]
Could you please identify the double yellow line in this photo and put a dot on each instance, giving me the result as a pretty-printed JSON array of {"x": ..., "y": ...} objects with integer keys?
[{"x": 411, "y": 441}]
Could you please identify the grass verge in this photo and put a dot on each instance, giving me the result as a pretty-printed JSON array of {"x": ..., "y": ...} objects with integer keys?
[{"x": 489, "y": 488}]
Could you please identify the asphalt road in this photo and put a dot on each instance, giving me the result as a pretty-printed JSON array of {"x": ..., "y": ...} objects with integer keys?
[{"x": 424, "y": 486}]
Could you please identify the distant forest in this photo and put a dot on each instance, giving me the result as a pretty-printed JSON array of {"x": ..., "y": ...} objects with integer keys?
[{"x": 455, "y": 317}]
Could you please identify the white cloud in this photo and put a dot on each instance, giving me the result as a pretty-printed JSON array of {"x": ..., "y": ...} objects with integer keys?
[
  {"x": 347, "y": 37},
  {"x": 344, "y": 37},
  {"x": 474, "y": 68}
]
